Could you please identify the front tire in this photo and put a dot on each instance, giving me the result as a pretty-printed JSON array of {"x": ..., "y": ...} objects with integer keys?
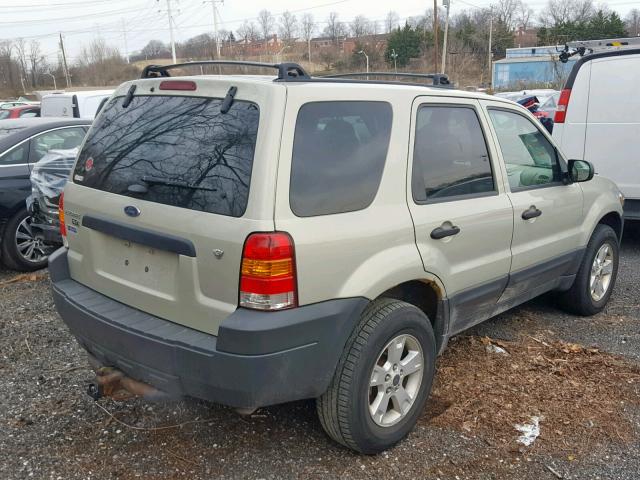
[
  {"x": 596, "y": 277},
  {"x": 383, "y": 378},
  {"x": 21, "y": 248}
]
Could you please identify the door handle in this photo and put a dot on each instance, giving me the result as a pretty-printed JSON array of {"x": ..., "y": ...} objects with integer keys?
[
  {"x": 442, "y": 232},
  {"x": 531, "y": 212}
]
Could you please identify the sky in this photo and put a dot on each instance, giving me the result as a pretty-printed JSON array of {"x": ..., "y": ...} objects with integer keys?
[{"x": 82, "y": 20}]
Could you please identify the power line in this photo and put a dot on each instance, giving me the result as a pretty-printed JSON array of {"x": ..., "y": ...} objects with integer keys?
[
  {"x": 72, "y": 4},
  {"x": 66, "y": 19}
]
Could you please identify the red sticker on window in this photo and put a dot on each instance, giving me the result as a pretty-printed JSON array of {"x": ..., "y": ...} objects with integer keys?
[{"x": 88, "y": 165}]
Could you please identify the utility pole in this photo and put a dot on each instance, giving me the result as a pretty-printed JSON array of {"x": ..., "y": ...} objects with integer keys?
[
  {"x": 490, "y": 46},
  {"x": 124, "y": 33},
  {"x": 171, "y": 38},
  {"x": 215, "y": 23},
  {"x": 64, "y": 62},
  {"x": 447, "y": 4},
  {"x": 435, "y": 36}
]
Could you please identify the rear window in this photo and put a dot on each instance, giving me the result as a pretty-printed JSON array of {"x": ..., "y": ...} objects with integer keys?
[
  {"x": 178, "y": 151},
  {"x": 339, "y": 151}
]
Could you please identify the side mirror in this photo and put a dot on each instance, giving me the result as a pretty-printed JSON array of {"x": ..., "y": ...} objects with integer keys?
[{"x": 580, "y": 170}]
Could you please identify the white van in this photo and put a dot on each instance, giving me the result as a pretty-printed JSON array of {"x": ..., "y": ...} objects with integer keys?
[
  {"x": 82, "y": 104},
  {"x": 598, "y": 119}
]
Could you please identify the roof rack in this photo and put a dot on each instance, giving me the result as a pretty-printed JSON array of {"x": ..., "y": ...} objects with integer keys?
[
  {"x": 292, "y": 72},
  {"x": 286, "y": 71},
  {"x": 438, "y": 79},
  {"x": 584, "y": 47}
]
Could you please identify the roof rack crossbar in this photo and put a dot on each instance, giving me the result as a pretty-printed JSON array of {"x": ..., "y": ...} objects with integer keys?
[
  {"x": 286, "y": 71},
  {"x": 437, "y": 78}
]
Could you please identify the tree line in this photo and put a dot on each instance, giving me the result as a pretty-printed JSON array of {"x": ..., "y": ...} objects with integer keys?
[{"x": 409, "y": 43}]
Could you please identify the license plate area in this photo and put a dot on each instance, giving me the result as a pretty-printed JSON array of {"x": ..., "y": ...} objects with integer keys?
[{"x": 138, "y": 266}]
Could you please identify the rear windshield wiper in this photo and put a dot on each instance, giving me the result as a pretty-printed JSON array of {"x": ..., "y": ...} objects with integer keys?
[
  {"x": 228, "y": 100},
  {"x": 168, "y": 183},
  {"x": 128, "y": 98}
]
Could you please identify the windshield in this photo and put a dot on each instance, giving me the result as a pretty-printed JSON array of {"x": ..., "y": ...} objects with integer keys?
[{"x": 179, "y": 151}]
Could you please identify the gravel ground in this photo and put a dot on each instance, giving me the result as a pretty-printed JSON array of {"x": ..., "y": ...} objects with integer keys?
[{"x": 50, "y": 429}]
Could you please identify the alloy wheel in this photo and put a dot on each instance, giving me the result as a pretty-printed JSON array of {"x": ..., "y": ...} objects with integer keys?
[
  {"x": 601, "y": 272},
  {"x": 395, "y": 380},
  {"x": 30, "y": 247}
]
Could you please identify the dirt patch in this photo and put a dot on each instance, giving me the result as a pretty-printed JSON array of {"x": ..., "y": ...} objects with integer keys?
[{"x": 580, "y": 395}]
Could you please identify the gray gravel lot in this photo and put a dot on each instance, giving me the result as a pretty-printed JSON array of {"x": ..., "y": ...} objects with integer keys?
[{"x": 50, "y": 429}]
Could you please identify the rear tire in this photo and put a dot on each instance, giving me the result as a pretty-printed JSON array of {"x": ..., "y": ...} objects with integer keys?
[
  {"x": 22, "y": 257},
  {"x": 390, "y": 355},
  {"x": 596, "y": 277}
]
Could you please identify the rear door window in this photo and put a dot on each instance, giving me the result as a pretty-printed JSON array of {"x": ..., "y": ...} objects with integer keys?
[
  {"x": 339, "y": 151},
  {"x": 179, "y": 151},
  {"x": 16, "y": 156},
  {"x": 450, "y": 157}
]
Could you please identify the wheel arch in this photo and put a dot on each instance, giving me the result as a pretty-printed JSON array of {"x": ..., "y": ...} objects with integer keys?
[
  {"x": 614, "y": 220},
  {"x": 430, "y": 298}
]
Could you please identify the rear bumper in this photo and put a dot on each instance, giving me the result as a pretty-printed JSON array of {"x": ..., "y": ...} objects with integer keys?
[{"x": 257, "y": 359}]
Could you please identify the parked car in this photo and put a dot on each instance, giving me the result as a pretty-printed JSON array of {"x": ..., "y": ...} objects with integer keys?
[
  {"x": 23, "y": 111},
  {"x": 543, "y": 94},
  {"x": 598, "y": 118},
  {"x": 532, "y": 104},
  {"x": 13, "y": 103},
  {"x": 549, "y": 105},
  {"x": 80, "y": 104},
  {"x": 48, "y": 178},
  {"x": 22, "y": 143},
  {"x": 252, "y": 242}
]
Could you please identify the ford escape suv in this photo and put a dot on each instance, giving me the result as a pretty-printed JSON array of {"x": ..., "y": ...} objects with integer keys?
[{"x": 252, "y": 241}]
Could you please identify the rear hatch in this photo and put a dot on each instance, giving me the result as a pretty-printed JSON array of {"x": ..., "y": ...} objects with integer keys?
[
  {"x": 57, "y": 105},
  {"x": 165, "y": 191}
]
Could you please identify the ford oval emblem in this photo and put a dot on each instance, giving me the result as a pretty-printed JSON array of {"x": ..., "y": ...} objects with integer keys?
[{"x": 132, "y": 211}]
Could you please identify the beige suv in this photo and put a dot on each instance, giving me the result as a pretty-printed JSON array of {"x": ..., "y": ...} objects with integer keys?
[{"x": 252, "y": 241}]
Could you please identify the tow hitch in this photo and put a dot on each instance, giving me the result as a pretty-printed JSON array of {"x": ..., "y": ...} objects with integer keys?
[{"x": 113, "y": 383}]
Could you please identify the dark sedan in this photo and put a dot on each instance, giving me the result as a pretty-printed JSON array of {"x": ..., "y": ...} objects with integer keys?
[{"x": 23, "y": 142}]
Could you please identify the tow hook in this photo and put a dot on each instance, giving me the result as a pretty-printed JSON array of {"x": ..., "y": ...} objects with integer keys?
[{"x": 94, "y": 391}]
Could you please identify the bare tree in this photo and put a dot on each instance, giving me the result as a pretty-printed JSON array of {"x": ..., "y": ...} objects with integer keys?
[
  {"x": 308, "y": 28},
  {"x": 288, "y": 27},
  {"x": 100, "y": 62},
  {"x": 505, "y": 12},
  {"x": 523, "y": 15},
  {"x": 632, "y": 21},
  {"x": 360, "y": 26},
  {"x": 8, "y": 69},
  {"x": 335, "y": 28},
  {"x": 391, "y": 21},
  {"x": 21, "y": 51},
  {"x": 154, "y": 49},
  {"x": 563, "y": 11},
  {"x": 248, "y": 31},
  {"x": 266, "y": 23},
  {"x": 37, "y": 62}
]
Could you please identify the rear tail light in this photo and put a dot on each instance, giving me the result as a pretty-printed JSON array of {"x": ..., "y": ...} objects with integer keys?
[
  {"x": 63, "y": 226},
  {"x": 563, "y": 103},
  {"x": 268, "y": 272}
]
